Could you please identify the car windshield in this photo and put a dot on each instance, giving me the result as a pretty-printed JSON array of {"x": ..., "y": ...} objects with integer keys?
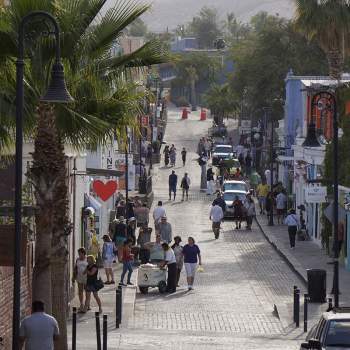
[
  {"x": 231, "y": 196},
  {"x": 235, "y": 187},
  {"x": 223, "y": 149},
  {"x": 338, "y": 333}
]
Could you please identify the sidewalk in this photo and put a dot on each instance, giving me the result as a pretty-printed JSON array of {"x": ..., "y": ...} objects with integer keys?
[
  {"x": 306, "y": 255},
  {"x": 86, "y": 328}
]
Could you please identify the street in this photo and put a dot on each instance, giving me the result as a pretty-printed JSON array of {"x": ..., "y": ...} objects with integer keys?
[{"x": 231, "y": 306}]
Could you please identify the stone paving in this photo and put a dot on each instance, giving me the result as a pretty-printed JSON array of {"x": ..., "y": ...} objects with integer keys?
[{"x": 232, "y": 304}]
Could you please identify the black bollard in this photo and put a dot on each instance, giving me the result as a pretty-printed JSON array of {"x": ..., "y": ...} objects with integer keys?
[
  {"x": 104, "y": 328},
  {"x": 117, "y": 297},
  {"x": 330, "y": 304},
  {"x": 98, "y": 330},
  {"x": 297, "y": 308},
  {"x": 306, "y": 302},
  {"x": 120, "y": 304},
  {"x": 294, "y": 303},
  {"x": 74, "y": 329}
]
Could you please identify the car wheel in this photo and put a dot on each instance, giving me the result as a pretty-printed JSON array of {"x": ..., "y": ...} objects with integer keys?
[
  {"x": 162, "y": 287},
  {"x": 143, "y": 290}
]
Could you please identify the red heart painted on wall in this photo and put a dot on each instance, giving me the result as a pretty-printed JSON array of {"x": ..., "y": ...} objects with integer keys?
[{"x": 104, "y": 190}]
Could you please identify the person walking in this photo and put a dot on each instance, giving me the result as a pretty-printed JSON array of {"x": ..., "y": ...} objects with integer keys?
[
  {"x": 172, "y": 184},
  {"x": 92, "y": 284},
  {"x": 262, "y": 190},
  {"x": 142, "y": 215},
  {"x": 79, "y": 276},
  {"x": 177, "y": 248},
  {"x": 165, "y": 230},
  {"x": 250, "y": 207},
  {"x": 216, "y": 215},
  {"x": 108, "y": 250},
  {"x": 281, "y": 206},
  {"x": 127, "y": 258},
  {"x": 158, "y": 213},
  {"x": 219, "y": 200},
  {"x": 192, "y": 256},
  {"x": 185, "y": 185},
  {"x": 183, "y": 156},
  {"x": 39, "y": 330},
  {"x": 172, "y": 154},
  {"x": 170, "y": 262},
  {"x": 248, "y": 163},
  {"x": 166, "y": 153},
  {"x": 119, "y": 236},
  {"x": 292, "y": 221},
  {"x": 237, "y": 212},
  {"x": 210, "y": 181},
  {"x": 269, "y": 204}
]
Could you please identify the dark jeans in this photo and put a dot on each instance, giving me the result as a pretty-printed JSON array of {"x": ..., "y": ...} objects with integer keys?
[
  {"x": 172, "y": 189},
  {"x": 126, "y": 267},
  {"x": 292, "y": 231},
  {"x": 249, "y": 221},
  {"x": 172, "y": 275}
]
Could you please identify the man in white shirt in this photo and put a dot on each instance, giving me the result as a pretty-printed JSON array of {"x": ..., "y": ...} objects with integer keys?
[
  {"x": 39, "y": 330},
  {"x": 281, "y": 206},
  {"x": 158, "y": 213},
  {"x": 216, "y": 215},
  {"x": 293, "y": 224},
  {"x": 170, "y": 262}
]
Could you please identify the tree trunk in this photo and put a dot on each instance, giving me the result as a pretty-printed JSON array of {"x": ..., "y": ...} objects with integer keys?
[
  {"x": 48, "y": 175},
  {"x": 193, "y": 94},
  {"x": 335, "y": 63}
]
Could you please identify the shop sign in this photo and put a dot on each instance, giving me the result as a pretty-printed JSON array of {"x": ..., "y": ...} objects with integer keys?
[
  {"x": 145, "y": 120},
  {"x": 315, "y": 194}
]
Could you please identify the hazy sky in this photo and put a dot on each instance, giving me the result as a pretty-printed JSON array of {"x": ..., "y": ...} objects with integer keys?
[{"x": 169, "y": 13}]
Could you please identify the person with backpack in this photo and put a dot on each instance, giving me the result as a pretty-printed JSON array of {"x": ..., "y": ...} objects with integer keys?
[{"x": 185, "y": 185}]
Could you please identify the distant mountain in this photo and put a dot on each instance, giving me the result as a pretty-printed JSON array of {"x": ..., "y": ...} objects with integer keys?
[{"x": 170, "y": 13}]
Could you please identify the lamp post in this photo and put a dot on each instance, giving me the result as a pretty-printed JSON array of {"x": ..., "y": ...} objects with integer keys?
[
  {"x": 57, "y": 92},
  {"x": 326, "y": 100}
]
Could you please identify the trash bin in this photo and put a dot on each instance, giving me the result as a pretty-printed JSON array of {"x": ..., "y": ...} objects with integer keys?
[{"x": 316, "y": 285}]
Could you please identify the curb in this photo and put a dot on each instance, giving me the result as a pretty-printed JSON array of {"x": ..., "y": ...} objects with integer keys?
[{"x": 282, "y": 255}]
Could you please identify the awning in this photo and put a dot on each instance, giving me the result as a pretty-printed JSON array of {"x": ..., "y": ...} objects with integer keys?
[
  {"x": 104, "y": 172},
  {"x": 90, "y": 201}
]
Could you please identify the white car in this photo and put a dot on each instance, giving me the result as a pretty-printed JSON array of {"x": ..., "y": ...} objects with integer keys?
[
  {"x": 229, "y": 197},
  {"x": 222, "y": 152},
  {"x": 332, "y": 332},
  {"x": 235, "y": 185}
]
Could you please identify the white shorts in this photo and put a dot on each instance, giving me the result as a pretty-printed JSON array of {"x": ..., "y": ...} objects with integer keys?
[
  {"x": 107, "y": 264},
  {"x": 190, "y": 269}
]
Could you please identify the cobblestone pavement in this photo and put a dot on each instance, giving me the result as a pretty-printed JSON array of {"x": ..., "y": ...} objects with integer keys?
[{"x": 232, "y": 304}]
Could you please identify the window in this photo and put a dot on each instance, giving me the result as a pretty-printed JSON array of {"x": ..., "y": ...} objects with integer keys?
[{"x": 338, "y": 333}]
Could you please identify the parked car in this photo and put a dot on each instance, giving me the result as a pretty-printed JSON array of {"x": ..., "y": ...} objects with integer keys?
[
  {"x": 332, "y": 332},
  {"x": 229, "y": 197},
  {"x": 222, "y": 152},
  {"x": 235, "y": 185}
]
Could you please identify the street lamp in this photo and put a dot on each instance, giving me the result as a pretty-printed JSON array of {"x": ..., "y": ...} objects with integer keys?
[{"x": 56, "y": 92}]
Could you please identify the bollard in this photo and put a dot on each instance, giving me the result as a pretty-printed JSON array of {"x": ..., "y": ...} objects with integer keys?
[
  {"x": 74, "y": 329},
  {"x": 330, "y": 304},
  {"x": 297, "y": 308},
  {"x": 306, "y": 302},
  {"x": 104, "y": 328},
  {"x": 117, "y": 297},
  {"x": 120, "y": 304},
  {"x": 98, "y": 330},
  {"x": 294, "y": 303}
]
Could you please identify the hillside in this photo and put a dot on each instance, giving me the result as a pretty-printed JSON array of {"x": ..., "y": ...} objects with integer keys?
[{"x": 170, "y": 13}]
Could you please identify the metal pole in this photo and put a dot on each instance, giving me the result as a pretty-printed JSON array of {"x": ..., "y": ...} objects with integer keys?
[
  {"x": 336, "y": 201},
  {"x": 74, "y": 329},
  {"x": 297, "y": 308},
  {"x": 104, "y": 330},
  {"x": 306, "y": 301},
  {"x": 140, "y": 143},
  {"x": 294, "y": 303},
  {"x": 98, "y": 330},
  {"x": 271, "y": 223},
  {"x": 126, "y": 172},
  {"x": 18, "y": 193},
  {"x": 117, "y": 320}
]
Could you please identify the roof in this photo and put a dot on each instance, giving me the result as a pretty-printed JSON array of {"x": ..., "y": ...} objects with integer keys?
[
  {"x": 234, "y": 182},
  {"x": 236, "y": 191},
  {"x": 340, "y": 314}
]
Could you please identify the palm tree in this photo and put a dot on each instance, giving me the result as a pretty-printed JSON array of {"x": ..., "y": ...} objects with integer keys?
[
  {"x": 104, "y": 103},
  {"x": 327, "y": 21}
]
